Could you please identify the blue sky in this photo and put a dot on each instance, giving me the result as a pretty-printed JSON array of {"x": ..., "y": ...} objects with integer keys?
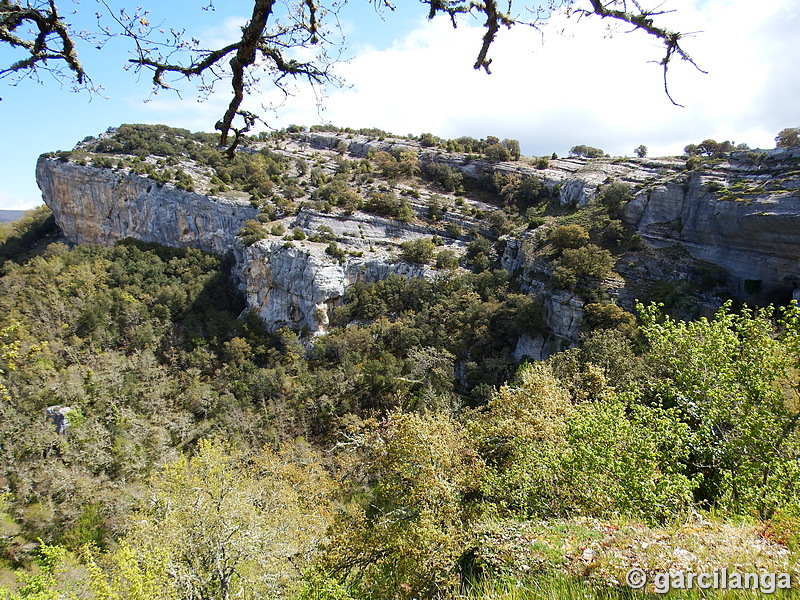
[{"x": 588, "y": 85}]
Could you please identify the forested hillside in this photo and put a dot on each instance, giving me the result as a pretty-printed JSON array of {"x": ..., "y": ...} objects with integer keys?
[{"x": 410, "y": 451}]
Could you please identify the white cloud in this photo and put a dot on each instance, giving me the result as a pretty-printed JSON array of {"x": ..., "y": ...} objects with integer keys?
[
  {"x": 10, "y": 200},
  {"x": 581, "y": 88},
  {"x": 584, "y": 88}
]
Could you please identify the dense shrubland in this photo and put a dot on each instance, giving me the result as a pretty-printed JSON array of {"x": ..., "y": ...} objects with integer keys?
[
  {"x": 405, "y": 454},
  {"x": 366, "y": 467}
]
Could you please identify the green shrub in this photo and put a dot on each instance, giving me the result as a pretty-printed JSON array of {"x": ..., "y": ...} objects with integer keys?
[
  {"x": 446, "y": 259},
  {"x": 251, "y": 232},
  {"x": 614, "y": 196},
  {"x": 576, "y": 265},
  {"x": 387, "y": 204},
  {"x": 419, "y": 251},
  {"x": 497, "y": 153},
  {"x": 569, "y": 236},
  {"x": 335, "y": 251}
]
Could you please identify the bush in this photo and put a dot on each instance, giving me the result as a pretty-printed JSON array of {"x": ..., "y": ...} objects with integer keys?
[
  {"x": 693, "y": 162},
  {"x": 788, "y": 137},
  {"x": 335, "y": 251},
  {"x": 251, "y": 232},
  {"x": 497, "y": 153},
  {"x": 453, "y": 229},
  {"x": 609, "y": 316},
  {"x": 419, "y": 251},
  {"x": 576, "y": 265},
  {"x": 388, "y": 204},
  {"x": 586, "y": 151},
  {"x": 588, "y": 261},
  {"x": 446, "y": 259},
  {"x": 569, "y": 236},
  {"x": 448, "y": 177},
  {"x": 614, "y": 196},
  {"x": 500, "y": 223},
  {"x": 547, "y": 456},
  {"x": 434, "y": 208},
  {"x": 405, "y": 536}
]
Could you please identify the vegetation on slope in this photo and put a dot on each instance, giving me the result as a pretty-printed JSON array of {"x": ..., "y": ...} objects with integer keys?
[{"x": 406, "y": 454}]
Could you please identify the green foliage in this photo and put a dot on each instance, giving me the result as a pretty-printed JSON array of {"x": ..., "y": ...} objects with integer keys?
[
  {"x": 586, "y": 151},
  {"x": 726, "y": 378},
  {"x": 497, "y": 153},
  {"x": 252, "y": 231},
  {"x": 435, "y": 208},
  {"x": 255, "y": 172},
  {"x": 569, "y": 236},
  {"x": 404, "y": 535},
  {"x": 419, "y": 251},
  {"x": 609, "y": 316},
  {"x": 388, "y": 204},
  {"x": 28, "y": 236},
  {"x": 339, "y": 193},
  {"x": 788, "y": 137},
  {"x": 406, "y": 163},
  {"x": 693, "y": 162},
  {"x": 320, "y": 587},
  {"x": 446, "y": 259},
  {"x": 577, "y": 266},
  {"x": 517, "y": 191},
  {"x": 500, "y": 223},
  {"x": 709, "y": 147},
  {"x": 228, "y": 524},
  {"x": 548, "y": 456},
  {"x": 640, "y": 151},
  {"x": 335, "y": 251},
  {"x": 448, "y": 177},
  {"x": 428, "y": 140},
  {"x": 614, "y": 196},
  {"x": 43, "y": 584}
]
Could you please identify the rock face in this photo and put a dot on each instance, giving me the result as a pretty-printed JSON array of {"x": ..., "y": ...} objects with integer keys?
[
  {"x": 740, "y": 214},
  {"x": 743, "y": 216},
  {"x": 295, "y": 284},
  {"x": 300, "y": 287},
  {"x": 104, "y": 206}
]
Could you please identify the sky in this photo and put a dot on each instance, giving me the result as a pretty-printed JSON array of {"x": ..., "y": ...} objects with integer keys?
[{"x": 578, "y": 82}]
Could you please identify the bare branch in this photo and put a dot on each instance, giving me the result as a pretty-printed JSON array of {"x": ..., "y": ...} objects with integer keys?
[
  {"x": 644, "y": 20},
  {"x": 51, "y": 39}
]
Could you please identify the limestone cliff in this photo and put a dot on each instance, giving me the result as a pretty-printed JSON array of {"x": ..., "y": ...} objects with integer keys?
[
  {"x": 742, "y": 215},
  {"x": 739, "y": 215},
  {"x": 104, "y": 206},
  {"x": 298, "y": 284}
]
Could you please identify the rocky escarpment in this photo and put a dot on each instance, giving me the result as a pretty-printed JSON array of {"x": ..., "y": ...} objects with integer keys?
[
  {"x": 300, "y": 286},
  {"x": 742, "y": 215},
  {"x": 104, "y": 206},
  {"x": 738, "y": 215},
  {"x": 298, "y": 283},
  {"x": 295, "y": 283}
]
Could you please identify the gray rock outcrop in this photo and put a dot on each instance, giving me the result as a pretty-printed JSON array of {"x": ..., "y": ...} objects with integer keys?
[
  {"x": 104, "y": 206},
  {"x": 740, "y": 215}
]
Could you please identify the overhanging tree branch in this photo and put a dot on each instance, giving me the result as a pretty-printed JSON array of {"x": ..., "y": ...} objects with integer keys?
[
  {"x": 269, "y": 42},
  {"x": 49, "y": 39},
  {"x": 644, "y": 20}
]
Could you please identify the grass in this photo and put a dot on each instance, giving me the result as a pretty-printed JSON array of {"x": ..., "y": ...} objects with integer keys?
[
  {"x": 563, "y": 588},
  {"x": 590, "y": 558}
]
